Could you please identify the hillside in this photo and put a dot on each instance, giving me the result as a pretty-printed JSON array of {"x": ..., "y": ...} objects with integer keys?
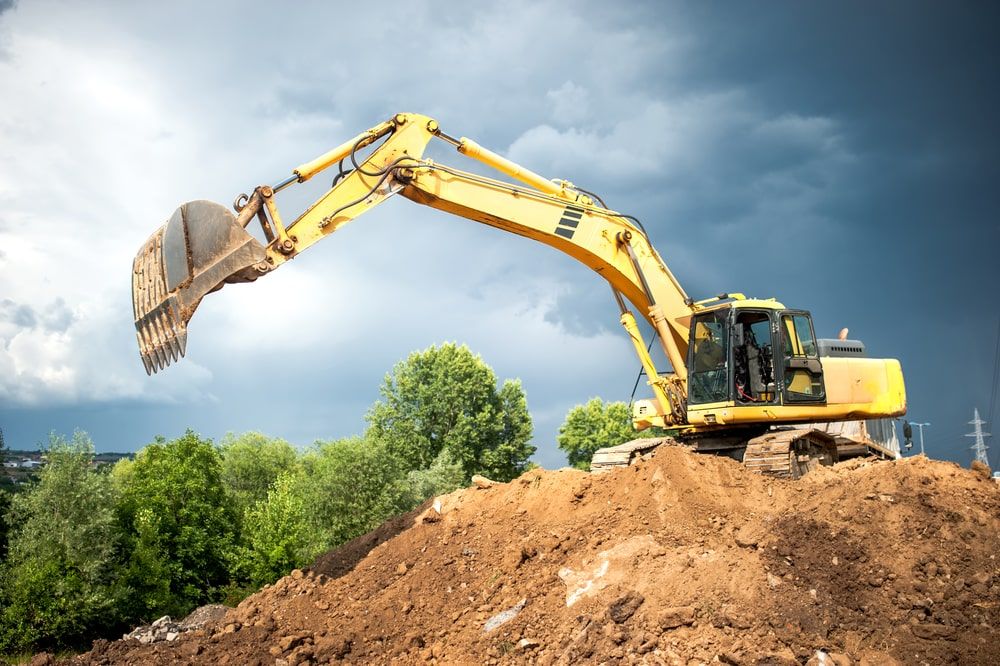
[{"x": 680, "y": 559}]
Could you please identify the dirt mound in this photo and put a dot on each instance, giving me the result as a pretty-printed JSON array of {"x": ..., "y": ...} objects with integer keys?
[{"x": 680, "y": 559}]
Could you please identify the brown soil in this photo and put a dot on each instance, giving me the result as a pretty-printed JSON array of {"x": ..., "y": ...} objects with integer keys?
[{"x": 680, "y": 559}]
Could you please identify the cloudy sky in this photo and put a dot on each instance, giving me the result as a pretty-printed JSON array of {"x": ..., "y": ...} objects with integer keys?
[{"x": 842, "y": 157}]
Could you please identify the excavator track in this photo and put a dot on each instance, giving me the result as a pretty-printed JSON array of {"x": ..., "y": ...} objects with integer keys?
[
  {"x": 789, "y": 453},
  {"x": 623, "y": 455}
]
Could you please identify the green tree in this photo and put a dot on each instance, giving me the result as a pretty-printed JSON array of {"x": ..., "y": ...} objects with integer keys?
[
  {"x": 4, "y": 527},
  {"x": 277, "y": 534},
  {"x": 351, "y": 486},
  {"x": 593, "y": 426},
  {"x": 179, "y": 523},
  {"x": 251, "y": 463},
  {"x": 446, "y": 398},
  {"x": 443, "y": 476},
  {"x": 57, "y": 586}
]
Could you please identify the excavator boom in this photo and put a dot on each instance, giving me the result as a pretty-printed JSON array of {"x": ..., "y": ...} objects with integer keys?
[{"x": 203, "y": 246}]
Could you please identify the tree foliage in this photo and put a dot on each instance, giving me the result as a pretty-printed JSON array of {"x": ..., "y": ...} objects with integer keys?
[
  {"x": 186, "y": 522},
  {"x": 277, "y": 534},
  {"x": 58, "y": 581},
  {"x": 251, "y": 463},
  {"x": 4, "y": 526},
  {"x": 446, "y": 399},
  {"x": 351, "y": 486},
  {"x": 179, "y": 525},
  {"x": 443, "y": 476},
  {"x": 592, "y": 426}
]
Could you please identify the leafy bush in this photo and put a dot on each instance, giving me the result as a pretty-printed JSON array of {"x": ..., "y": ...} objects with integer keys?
[
  {"x": 59, "y": 579},
  {"x": 443, "y": 476},
  {"x": 179, "y": 526},
  {"x": 276, "y": 533},
  {"x": 351, "y": 486},
  {"x": 251, "y": 463}
]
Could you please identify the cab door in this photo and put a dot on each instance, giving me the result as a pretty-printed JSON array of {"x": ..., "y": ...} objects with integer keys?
[{"x": 802, "y": 371}]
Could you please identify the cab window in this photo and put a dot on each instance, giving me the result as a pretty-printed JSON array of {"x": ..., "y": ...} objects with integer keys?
[
  {"x": 709, "y": 370},
  {"x": 753, "y": 361},
  {"x": 800, "y": 344}
]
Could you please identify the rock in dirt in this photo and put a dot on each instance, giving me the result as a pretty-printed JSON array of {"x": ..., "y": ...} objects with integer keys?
[
  {"x": 527, "y": 644},
  {"x": 822, "y": 658},
  {"x": 671, "y": 618},
  {"x": 504, "y": 617},
  {"x": 482, "y": 482},
  {"x": 622, "y": 608},
  {"x": 748, "y": 536},
  {"x": 932, "y": 632},
  {"x": 203, "y": 615},
  {"x": 981, "y": 470},
  {"x": 878, "y": 658}
]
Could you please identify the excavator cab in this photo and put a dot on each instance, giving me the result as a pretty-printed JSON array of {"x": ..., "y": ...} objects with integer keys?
[{"x": 732, "y": 358}]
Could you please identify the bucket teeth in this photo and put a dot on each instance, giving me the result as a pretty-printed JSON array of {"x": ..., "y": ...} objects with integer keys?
[
  {"x": 161, "y": 333},
  {"x": 160, "y": 343},
  {"x": 162, "y": 338}
]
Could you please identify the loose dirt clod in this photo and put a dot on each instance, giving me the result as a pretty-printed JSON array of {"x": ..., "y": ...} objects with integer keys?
[{"x": 679, "y": 559}]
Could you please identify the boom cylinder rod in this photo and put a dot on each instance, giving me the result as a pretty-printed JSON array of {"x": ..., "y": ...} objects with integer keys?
[
  {"x": 306, "y": 171},
  {"x": 632, "y": 328},
  {"x": 502, "y": 164},
  {"x": 655, "y": 311},
  {"x": 285, "y": 183}
]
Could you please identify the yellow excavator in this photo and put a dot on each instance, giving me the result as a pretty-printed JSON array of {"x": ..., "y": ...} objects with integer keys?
[{"x": 749, "y": 378}]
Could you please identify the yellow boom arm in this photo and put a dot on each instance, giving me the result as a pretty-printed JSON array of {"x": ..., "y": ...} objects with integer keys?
[{"x": 551, "y": 212}]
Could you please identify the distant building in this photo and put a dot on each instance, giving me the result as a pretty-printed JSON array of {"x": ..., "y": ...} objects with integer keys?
[{"x": 32, "y": 464}]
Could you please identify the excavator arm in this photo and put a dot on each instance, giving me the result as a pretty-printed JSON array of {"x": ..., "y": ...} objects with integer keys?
[{"x": 203, "y": 246}]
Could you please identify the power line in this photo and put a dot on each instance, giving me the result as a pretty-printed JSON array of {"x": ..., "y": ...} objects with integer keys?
[{"x": 996, "y": 376}]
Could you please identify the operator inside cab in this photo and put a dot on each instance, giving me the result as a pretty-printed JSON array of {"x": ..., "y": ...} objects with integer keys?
[
  {"x": 709, "y": 354},
  {"x": 709, "y": 360}
]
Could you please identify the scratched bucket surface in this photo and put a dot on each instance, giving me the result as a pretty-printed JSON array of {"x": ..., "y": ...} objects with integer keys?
[{"x": 198, "y": 250}]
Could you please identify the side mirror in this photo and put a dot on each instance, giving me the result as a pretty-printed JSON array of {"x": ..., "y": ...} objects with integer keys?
[{"x": 908, "y": 434}]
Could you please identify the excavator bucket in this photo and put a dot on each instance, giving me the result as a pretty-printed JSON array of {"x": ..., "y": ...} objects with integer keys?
[{"x": 198, "y": 250}]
